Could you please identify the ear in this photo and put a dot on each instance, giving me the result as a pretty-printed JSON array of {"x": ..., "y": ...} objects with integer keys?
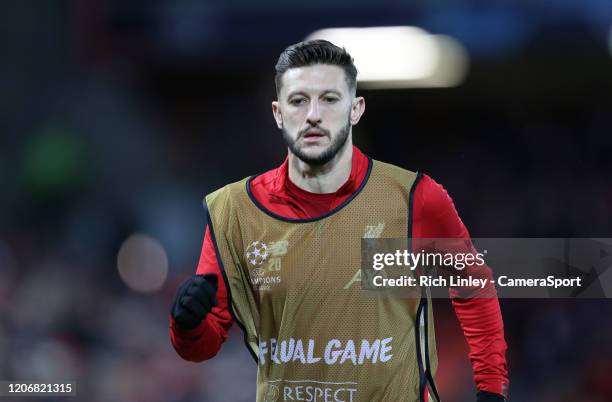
[
  {"x": 357, "y": 109},
  {"x": 277, "y": 114}
]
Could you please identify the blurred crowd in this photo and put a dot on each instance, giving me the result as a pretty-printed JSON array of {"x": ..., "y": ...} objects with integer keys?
[{"x": 106, "y": 133}]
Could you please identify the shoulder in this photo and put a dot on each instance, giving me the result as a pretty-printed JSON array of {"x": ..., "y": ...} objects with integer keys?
[
  {"x": 265, "y": 180},
  {"x": 426, "y": 189},
  {"x": 225, "y": 195},
  {"x": 435, "y": 212},
  {"x": 393, "y": 171},
  {"x": 431, "y": 191},
  {"x": 237, "y": 192},
  {"x": 431, "y": 196}
]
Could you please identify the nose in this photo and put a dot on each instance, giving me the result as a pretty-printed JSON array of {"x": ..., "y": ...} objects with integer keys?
[{"x": 314, "y": 116}]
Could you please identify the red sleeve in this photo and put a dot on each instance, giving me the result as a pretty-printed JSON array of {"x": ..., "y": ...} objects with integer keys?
[
  {"x": 480, "y": 317},
  {"x": 204, "y": 341}
]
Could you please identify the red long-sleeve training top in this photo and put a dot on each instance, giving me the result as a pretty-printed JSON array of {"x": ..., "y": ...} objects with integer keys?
[{"x": 434, "y": 216}]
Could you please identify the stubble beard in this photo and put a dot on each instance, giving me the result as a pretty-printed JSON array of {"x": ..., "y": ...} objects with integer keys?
[{"x": 326, "y": 155}]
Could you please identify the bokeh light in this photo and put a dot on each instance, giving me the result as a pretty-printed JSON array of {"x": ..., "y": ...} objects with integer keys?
[{"x": 142, "y": 263}]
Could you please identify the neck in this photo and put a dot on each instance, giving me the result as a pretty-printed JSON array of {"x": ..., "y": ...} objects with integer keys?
[{"x": 327, "y": 178}]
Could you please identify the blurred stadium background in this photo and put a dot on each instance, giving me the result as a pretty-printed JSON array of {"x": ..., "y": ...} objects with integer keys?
[{"x": 117, "y": 117}]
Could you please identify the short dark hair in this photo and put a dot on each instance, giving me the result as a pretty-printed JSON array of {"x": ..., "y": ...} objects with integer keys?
[{"x": 312, "y": 52}]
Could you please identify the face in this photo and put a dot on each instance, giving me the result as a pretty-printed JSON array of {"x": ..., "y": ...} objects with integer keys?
[{"x": 316, "y": 111}]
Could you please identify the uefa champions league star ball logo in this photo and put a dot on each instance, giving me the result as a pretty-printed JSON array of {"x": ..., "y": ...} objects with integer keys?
[{"x": 257, "y": 253}]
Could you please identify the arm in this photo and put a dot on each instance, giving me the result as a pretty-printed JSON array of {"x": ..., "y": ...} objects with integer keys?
[
  {"x": 204, "y": 341},
  {"x": 480, "y": 317}
]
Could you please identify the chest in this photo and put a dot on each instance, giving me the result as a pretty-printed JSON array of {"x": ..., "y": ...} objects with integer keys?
[{"x": 318, "y": 259}]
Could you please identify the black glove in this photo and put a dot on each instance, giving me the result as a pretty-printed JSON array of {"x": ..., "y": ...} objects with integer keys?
[
  {"x": 484, "y": 396},
  {"x": 194, "y": 299}
]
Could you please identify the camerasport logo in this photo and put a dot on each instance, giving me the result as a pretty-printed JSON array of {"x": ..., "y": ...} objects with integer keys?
[{"x": 265, "y": 263}]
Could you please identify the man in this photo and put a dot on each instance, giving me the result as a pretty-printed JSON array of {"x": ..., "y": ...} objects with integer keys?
[{"x": 281, "y": 257}]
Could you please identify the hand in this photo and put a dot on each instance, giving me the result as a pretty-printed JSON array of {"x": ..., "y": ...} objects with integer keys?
[
  {"x": 484, "y": 396},
  {"x": 194, "y": 300}
]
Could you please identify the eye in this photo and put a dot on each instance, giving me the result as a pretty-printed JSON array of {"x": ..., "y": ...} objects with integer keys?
[
  {"x": 330, "y": 99},
  {"x": 297, "y": 101}
]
